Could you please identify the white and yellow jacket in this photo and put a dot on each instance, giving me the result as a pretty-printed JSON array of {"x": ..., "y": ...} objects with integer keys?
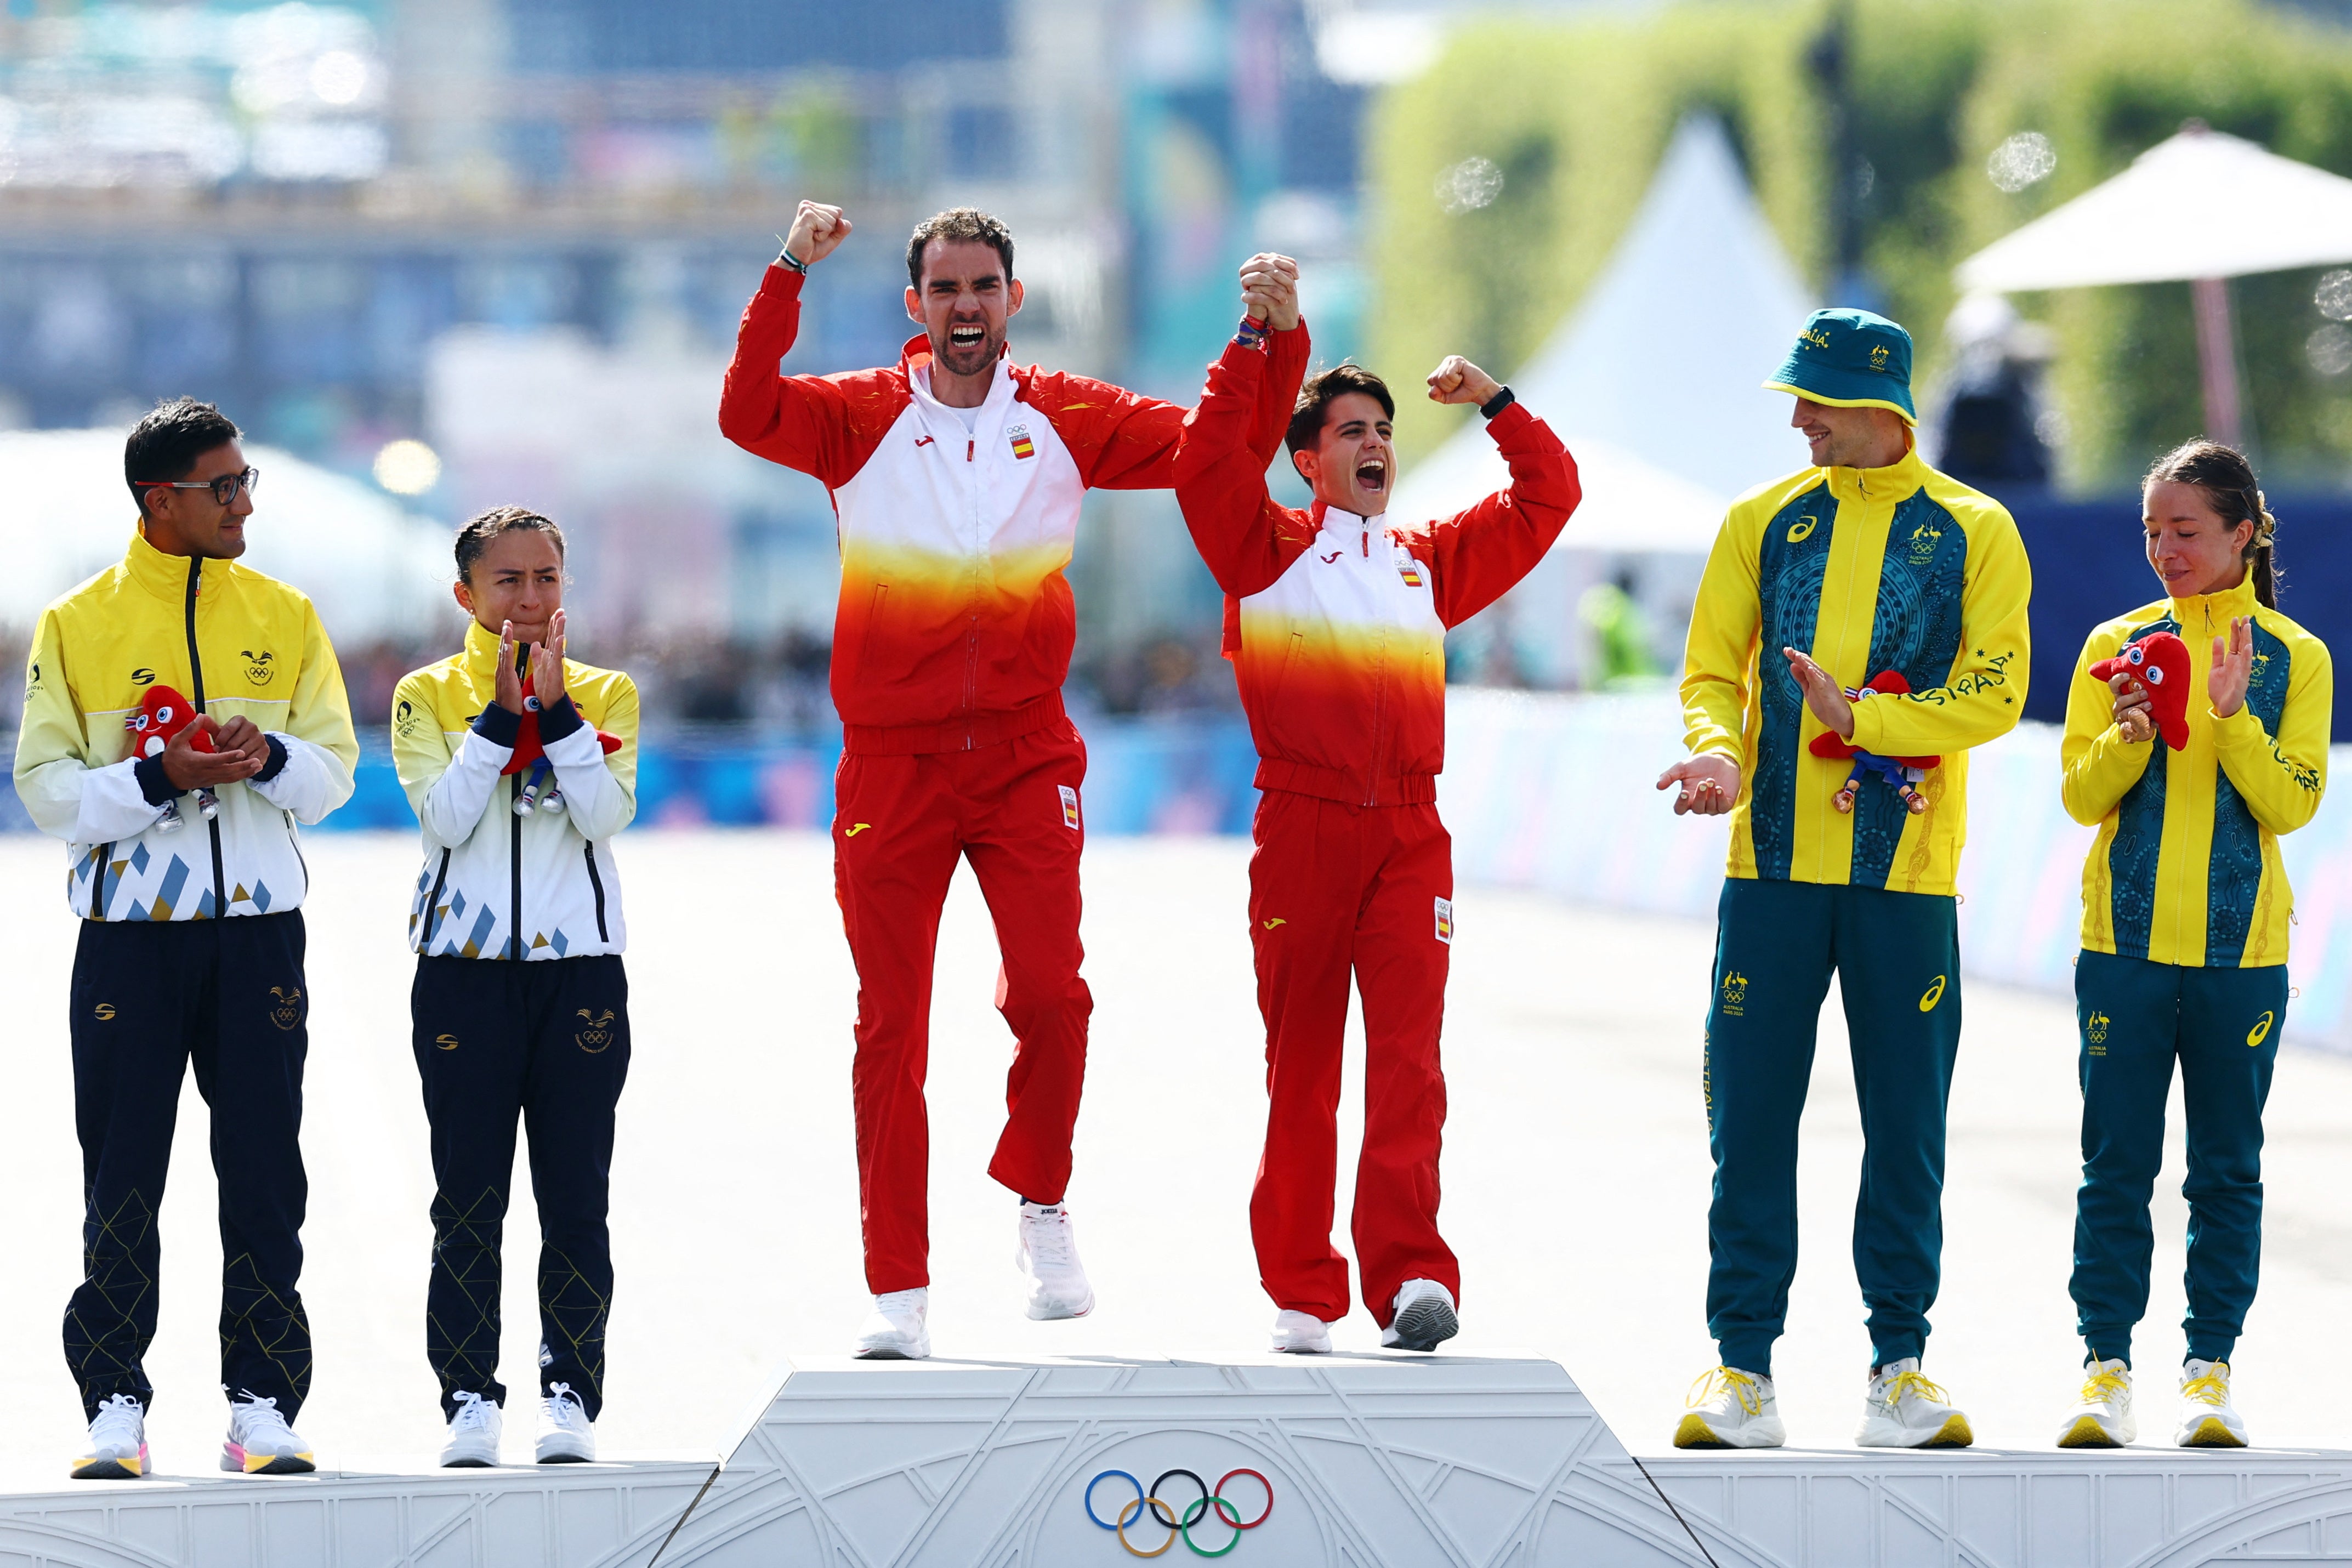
[
  {"x": 489, "y": 873},
  {"x": 235, "y": 643}
]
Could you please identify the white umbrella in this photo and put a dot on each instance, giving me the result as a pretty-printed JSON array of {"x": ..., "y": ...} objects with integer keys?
[{"x": 2148, "y": 225}]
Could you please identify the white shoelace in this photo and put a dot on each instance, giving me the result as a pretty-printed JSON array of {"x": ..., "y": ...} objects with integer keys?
[
  {"x": 258, "y": 1420},
  {"x": 563, "y": 1407},
  {"x": 474, "y": 1413},
  {"x": 117, "y": 1423},
  {"x": 1048, "y": 1237}
]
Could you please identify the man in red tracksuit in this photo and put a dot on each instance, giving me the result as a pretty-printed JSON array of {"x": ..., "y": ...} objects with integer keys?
[
  {"x": 957, "y": 479},
  {"x": 1335, "y": 621}
]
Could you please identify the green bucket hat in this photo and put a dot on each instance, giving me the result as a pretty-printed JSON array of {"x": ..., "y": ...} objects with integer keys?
[{"x": 1849, "y": 359}]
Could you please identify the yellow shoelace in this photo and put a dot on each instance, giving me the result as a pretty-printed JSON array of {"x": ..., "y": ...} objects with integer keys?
[
  {"x": 1914, "y": 1382},
  {"x": 1731, "y": 1381},
  {"x": 2101, "y": 1386},
  {"x": 2213, "y": 1388}
]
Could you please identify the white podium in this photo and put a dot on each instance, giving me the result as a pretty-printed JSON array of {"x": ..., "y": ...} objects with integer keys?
[
  {"x": 1354, "y": 1461},
  {"x": 1343, "y": 1461}
]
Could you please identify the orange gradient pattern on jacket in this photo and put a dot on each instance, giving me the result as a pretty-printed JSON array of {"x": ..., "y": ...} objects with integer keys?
[
  {"x": 990, "y": 632},
  {"x": 1329, "y": 681}
]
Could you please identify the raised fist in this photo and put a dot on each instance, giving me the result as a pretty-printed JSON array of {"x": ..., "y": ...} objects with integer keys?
[
  {"x": 1457, "y": 380},
  {"x": 817, "y": 230},
  {"x": 1270, "y": 290}
]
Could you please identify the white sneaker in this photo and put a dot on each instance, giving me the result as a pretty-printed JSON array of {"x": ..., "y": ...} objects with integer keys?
[
  {"x": 1905, "y": 1410},
  {"x": 1731, "y": 1409},
  {"x": 2102, "y": 1416},
  {"x": 1421, "y": 1317},
  {"x": 1300, "y": 1333},
  {"x": 565, "y": 1435},
  {"x": 1049, "y": 1257},
  {"x": 2206, "y": 1419},
  {"x": 259, "y": 1443},
  {"x": 895, "y": 1329},
  {"x": 473, "y": 1434},
  {"x": 118, "y": 1442}
]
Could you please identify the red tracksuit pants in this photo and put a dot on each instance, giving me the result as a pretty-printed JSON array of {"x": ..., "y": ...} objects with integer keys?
[
  {"x": 899, "y": 826},
  {"x": 1337, "y": 888}
]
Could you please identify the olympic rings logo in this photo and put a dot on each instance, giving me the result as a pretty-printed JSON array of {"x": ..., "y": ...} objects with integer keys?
[{"x": 1179, "y": 1526}]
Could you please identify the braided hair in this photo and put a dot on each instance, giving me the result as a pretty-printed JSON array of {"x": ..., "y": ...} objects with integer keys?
[{"x": 2223, "y": 477}]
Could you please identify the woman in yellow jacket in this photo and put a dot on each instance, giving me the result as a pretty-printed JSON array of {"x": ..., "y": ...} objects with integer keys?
[{"x": 2185, "y": 913}]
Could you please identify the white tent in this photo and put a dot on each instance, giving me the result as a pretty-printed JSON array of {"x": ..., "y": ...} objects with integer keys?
[
  {"x": 1654, "y": 381},
  {"x": 2149, "y": 224},
  {"x": 373, "y": 569}
]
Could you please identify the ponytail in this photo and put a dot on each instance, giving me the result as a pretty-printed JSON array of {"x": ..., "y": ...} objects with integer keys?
[{"x": 2226, "y": 480}]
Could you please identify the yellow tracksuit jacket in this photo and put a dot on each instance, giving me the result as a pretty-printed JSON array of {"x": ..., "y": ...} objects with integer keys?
[
  {"x": 2186, "y": 867},
  {"x": 1867, "y": 570},
  {"x": 489, "y": 873},
  {"x": 230, "y": 640}
]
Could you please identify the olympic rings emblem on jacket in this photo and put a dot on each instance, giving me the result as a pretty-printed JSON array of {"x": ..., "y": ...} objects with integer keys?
[{"x": 1179, "y": 1526}]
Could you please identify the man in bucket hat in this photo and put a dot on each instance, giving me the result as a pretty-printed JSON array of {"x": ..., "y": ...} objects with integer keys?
[{"x": 1867, "y": 575}]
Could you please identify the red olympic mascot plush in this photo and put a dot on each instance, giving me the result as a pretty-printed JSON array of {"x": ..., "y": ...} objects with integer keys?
[
  {"x": 529, "y": 753},
  {"x": 2158, "y": 664},
  {"x": 1901, "y": 775},
  {"x": 158, "y": 720}
]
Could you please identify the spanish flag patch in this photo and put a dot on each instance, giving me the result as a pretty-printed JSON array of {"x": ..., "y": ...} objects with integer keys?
[
  {"x": 1409, "y": 569},
  {"x": 1021, "y": 445}
]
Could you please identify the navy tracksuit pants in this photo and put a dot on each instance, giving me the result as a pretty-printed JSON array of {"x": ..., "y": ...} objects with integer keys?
[
  {"x": 548, "y": 1042},
  {"x": 2138, "y": 1018},
  {"x": 149, "y": 1000},
  {"x": 1897, "y": 956}
]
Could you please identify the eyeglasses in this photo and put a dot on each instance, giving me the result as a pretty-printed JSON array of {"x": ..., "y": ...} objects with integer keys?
[{"x": 224, "y": 489}]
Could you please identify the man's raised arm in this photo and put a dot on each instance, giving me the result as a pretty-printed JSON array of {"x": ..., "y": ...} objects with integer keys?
[
  {"x": 1482, "y": 552},
  {"x": 810, "y": 423},
  {"x": 1231, "y": 438}
]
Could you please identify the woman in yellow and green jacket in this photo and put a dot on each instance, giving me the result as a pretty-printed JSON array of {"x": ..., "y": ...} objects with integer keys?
[{"x": 2185, "y": 914}]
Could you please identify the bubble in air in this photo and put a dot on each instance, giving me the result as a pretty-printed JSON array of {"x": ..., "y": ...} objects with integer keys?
[
  {"x": 1472, "y": 183},
  {"x": 2329, "y": 349},
  {"x": 407, "y": 467},
  {"x": 2025, "y": 159},
  {"x": 2334, "y": 295}
]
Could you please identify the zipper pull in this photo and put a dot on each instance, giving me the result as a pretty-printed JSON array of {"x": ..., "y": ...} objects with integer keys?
[
  {"x": 1368, "y": 544},
  {"x": 971, "y": 445}
]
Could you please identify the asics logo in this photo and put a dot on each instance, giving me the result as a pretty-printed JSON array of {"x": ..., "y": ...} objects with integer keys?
[
  {"x": 2261, "y": 1031},
  {"x": 1935, "y": 995},
  {"x": 1799, "y": 530},
  {"x": 1178, "y": 1524}
]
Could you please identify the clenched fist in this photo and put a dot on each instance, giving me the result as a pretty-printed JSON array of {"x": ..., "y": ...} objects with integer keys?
[
  {"x": 1457, "y": 380},
  {"x": 817, "y": 231},
  {"x": 1270, "y": 290}
]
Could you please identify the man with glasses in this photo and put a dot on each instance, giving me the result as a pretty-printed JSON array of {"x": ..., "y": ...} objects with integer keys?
[{"x": 190, "y": 947}]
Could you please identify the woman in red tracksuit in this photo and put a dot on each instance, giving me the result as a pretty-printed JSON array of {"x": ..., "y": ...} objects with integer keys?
[{"x": 1335, "y": 621}]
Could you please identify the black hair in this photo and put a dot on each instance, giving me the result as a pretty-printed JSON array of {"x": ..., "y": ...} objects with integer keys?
[
  {"x": 1321, "y": 391},
  {"x": 954, "y": 225},
  {"x": 2223, "y": 477},
  {"x": 168, "y": 438},
  {"x": 476, "y": 535}
]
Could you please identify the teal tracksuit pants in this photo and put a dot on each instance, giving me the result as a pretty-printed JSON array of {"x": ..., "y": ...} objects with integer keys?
[
  {"x": 2223, "y": 1026},
  {"x": 1897, "y": 956}
]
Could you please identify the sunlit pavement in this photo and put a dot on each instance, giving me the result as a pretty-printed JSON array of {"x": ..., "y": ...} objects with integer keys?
[{"x": 1576, "y": 1166}]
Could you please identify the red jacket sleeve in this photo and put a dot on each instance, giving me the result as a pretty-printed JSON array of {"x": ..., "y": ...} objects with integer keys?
[
  {"x": 1124, "y": 441},
  {"x": 1247, "y": 539},
  {"x": 1479, "y": 554},
  {"x": 821, "y": 425}
]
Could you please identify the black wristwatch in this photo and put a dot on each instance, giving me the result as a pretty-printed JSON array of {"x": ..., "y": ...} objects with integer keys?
[{"x": 1497, "y": 403}]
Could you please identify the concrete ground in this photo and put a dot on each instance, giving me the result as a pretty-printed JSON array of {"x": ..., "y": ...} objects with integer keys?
[{"x": 1576, "y": 1170}]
